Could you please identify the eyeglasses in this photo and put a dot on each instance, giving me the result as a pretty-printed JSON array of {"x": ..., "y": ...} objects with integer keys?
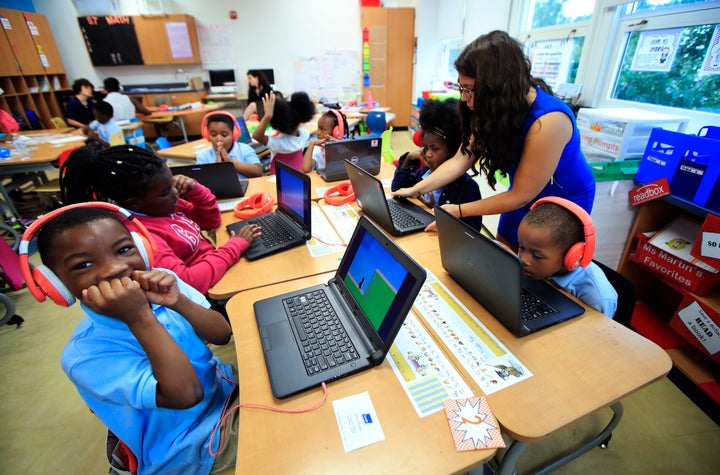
[{"x": 462, "y": 89}]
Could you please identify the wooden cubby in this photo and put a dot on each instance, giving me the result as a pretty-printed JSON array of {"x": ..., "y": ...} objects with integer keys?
[
  {"x": 33, "y": 75},
  {"x": 661, "y": 299}
]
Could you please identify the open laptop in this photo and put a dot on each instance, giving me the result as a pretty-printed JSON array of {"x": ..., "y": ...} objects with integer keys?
[
  {"x": 289, "y": 225},
  {"x": 370, "y": 294},
  {"x": 246, "y": 138},
  {"x": 365, "y": 152},
  {"x": 493, "y": 276},
  {"x": 396, "y": 216},
  {"x": 221, "y": 178}
]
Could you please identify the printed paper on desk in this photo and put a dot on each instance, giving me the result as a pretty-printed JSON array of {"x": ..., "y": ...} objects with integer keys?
[
  {"x": 358, "y": 423},
  {"x": 472, "y": 424}
]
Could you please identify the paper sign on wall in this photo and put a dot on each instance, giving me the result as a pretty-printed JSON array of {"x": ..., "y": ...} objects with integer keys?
[{"x": 656, "y": 50}]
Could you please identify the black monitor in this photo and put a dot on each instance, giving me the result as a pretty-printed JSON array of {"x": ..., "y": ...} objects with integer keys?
[{"x": 222, "y": 77}]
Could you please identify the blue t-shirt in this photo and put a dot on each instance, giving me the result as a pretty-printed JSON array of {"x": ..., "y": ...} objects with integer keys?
[
  {"x": 113, "y": 375},
  {"x": 572, "y": 179},
  {"x": 241, "y": 152},
  {"x": 109, "y": 132},
  {"x": 590, "y": 285}
]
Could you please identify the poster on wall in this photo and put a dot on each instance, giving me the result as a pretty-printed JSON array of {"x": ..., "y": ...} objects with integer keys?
[
  {"x": 711, "y": 64},
  {"x": 550, "y": 60},
  {"x": 110, "y": 40},
  {"x": 656, "y": 50},
  {"x": 331, "y": 77},
  {"x": 216, "y": 46}
]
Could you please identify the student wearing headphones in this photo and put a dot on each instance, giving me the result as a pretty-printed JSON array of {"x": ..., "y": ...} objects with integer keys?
[
  {"x": 332, "y": 125},
  {"x": 222, "y": 131},
  {"x": 556, "y": 240},
  {"x": 139, "y": 357}
]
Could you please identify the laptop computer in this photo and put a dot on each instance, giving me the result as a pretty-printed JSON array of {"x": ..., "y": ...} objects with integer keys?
[
  {"x": 363, "y": 152},
  {"x": 289, "y": 225},
  {"x": 221, "y": 178},
  {"x": 370, "y": 294},
  {"x": 493, "y": 276},
  {"x": 246, "y": 138},
  {"x": 396, "y": 216}
]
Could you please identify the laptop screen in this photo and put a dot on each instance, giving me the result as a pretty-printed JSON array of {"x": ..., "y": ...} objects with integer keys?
[
  {"x": 377, "y": 281},
  {"x": 291, "y": 194}
]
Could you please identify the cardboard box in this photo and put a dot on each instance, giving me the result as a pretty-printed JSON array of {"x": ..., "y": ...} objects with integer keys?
[
  {"x": 699, "y": 324},
  {"x": 667, "y": 253}
]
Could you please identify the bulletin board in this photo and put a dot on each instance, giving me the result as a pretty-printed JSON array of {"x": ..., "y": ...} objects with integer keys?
[{"x": 331, "y": 77}]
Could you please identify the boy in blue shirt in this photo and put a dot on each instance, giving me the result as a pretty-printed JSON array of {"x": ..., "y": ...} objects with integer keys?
[
  {"x": 552, "y": 244},
  {"x": 226, "y": 149},
  {"x": 104, "y": 129},
  {"x": 139, "y": 357}
]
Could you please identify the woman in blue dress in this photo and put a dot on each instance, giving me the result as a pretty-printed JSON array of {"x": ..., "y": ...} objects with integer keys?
[{"x": 512, "y": 123}]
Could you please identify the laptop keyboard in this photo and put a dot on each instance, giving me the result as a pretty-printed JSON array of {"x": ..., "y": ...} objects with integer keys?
[
  {"x": 401, "y": 218},
  {"x": 533, "y": 307},
  {"x": 323, "y": 340},
  {"x": 273, "y": 230}
]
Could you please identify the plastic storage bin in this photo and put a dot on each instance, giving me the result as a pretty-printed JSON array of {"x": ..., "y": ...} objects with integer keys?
[{"x": 620, "y": 133}]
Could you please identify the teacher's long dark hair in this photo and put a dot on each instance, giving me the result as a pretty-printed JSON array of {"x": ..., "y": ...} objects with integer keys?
[{"x": 502, "y": 81}]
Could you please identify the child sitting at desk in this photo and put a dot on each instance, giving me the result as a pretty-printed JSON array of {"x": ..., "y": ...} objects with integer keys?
[
  {"x": 222, "y": 131},
  {"x": 175, "y": 209},
  {"x": 285, "y": 117},
  {"x": 104, "y": 129},
  {"x": 332, "y": 125},
  {"x": 556, "y": 240},
  {"x": 138, "y": 358},
  {"x": 441, "y": 136}
]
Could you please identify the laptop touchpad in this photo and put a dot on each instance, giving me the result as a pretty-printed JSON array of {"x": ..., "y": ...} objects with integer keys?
[{"x": 278, "y": 335}]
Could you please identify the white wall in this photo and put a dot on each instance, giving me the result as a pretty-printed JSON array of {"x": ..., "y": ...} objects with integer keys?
[{"x": 268, "y": 34}]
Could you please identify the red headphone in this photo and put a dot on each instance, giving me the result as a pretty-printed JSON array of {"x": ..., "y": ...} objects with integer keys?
[
  {"x": 340, "y": 194},
  {"x": 339, "y": 131},
  {"x": 417, "y": 138},
  {"x": 42, "y": 282},
  {"x": 580, "y": 253},
  {"x": 236, "y": 132},
  {"x": 254, "y": 205}
]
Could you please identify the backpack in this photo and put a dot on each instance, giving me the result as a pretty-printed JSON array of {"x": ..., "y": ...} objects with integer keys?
[
  {"x": 21, "y": 121},
  {"x": 8, "y": 124},
  {"x": 33, "y": 119}
]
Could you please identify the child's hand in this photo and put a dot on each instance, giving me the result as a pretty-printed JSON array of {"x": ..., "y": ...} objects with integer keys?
[
  {"x": 269, "y": 104},
  {"x": 248, "y": 233},
  {"x": 412, "y": 159},
  {"x": 159, "y": 287},
  {"x": 183, "y": 184},
  {"x": 221, "y": 153},
  {"x": 122, "y": 299}
]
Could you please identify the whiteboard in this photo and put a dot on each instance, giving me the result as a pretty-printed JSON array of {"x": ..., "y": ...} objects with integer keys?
[{"x": 331, "y": 77}]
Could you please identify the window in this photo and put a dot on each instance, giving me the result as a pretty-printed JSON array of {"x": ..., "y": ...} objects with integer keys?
[
  {"x": 669, "y": 58},
  {"x": 560, "y": 12}
]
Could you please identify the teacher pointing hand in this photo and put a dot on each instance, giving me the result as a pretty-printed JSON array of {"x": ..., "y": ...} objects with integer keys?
[{"x": 512, "y": 123}]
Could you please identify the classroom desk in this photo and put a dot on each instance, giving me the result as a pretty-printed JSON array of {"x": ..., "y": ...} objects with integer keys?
[
  {"x": 579, "y": 367},
  {"x": 190, "y": 150},
  {"x": 181, "y": 114},
  {"x": 41, "y": 155},
  {"x": 309, "y": 443}
]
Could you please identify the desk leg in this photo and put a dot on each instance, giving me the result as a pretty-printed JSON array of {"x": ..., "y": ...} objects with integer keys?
[
  {"x": 8, "y": 203},
  {"x": 182, "y": 127},
  {"x": 512, "y": 455}
]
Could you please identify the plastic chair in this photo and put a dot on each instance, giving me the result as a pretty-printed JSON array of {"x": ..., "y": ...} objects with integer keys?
[
  {"x": 10, "y": 276},
  {"x": 292, "y": 159},
  {"x": 627, "y": 294},
  {"x": 162, "y": 143},
  {"x": 376, "y": 122},
  {"x": 59, "y": 122},
  {"x": 386, "y": 148}
]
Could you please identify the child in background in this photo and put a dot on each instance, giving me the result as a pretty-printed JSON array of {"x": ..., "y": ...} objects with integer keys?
[
  {"x": 139, "y": 358},
  {"x": 226, "y": 149},
  {"x": 104, "y": 129},
  {"x": 545, "y": 235},
  {"x": 314, "y": 157},
  {"x": 441, "y": 136},
  {"x": 285, "y": 117},
  {"x": 175, "y": 209}
]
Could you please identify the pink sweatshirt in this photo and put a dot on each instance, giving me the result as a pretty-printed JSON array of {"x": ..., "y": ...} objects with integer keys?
[{"x": 181, "y": 246}]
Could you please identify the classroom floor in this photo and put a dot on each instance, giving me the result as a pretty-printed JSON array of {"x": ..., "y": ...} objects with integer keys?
[{"x": 48, "y": 429}]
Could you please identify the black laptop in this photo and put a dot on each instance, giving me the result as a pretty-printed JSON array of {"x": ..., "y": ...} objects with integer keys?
[
  {"x": 396, "y": 216},
  {"x": 289, "y": 225},
  {"x": 365, "y": 152},
  {"x": 493, "y": 276},
  {"x": 221, "y": 178},
  {"x": 360, "y": 311},
  {"x": 246, "y": 138}
]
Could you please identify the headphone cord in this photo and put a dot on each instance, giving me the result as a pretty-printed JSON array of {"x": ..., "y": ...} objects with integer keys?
[
  {"x": 329, "y": 243},
  {"x": 222, "y": 426}
]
